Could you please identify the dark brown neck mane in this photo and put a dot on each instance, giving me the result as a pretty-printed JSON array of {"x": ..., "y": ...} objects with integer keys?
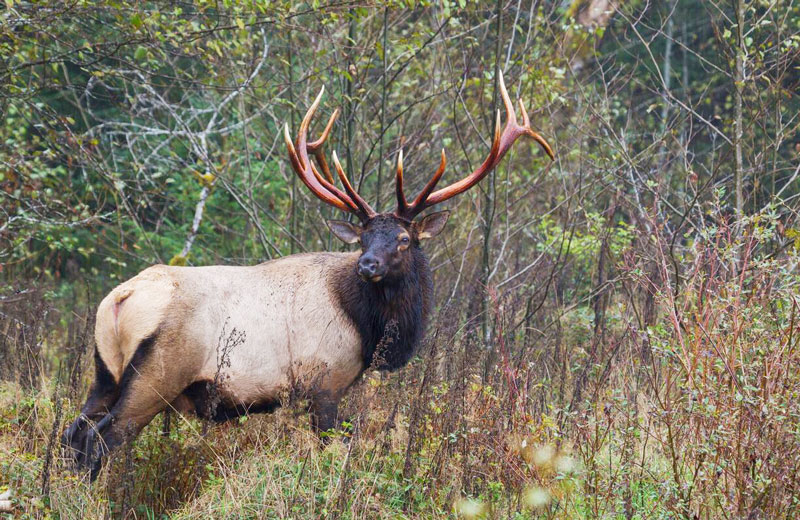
[{"x": 390, "y": 315}]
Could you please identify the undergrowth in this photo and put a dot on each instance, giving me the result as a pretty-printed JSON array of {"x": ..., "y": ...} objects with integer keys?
[{"x": 675, "y": 396}]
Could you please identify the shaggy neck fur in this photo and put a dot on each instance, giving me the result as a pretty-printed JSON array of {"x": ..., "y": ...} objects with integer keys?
[{"x": 389, "y": 315}]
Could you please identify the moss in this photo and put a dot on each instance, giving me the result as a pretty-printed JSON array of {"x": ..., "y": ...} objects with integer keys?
[{"x": 178, "y": 260}]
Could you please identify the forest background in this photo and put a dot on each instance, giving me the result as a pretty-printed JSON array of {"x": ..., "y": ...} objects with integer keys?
[{"x": 614, "y": 334}]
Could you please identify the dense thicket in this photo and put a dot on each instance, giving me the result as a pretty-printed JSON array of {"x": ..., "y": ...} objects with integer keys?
[{"x": 631, "y": 303}]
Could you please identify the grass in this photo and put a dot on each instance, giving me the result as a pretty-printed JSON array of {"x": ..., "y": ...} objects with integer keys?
[{"x": 272, "y": 466}]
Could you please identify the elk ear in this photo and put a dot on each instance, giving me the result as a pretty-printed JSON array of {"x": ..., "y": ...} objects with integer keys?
[
  {"x": 432, "y": 224},
  {"x": 345, "y": 231}
]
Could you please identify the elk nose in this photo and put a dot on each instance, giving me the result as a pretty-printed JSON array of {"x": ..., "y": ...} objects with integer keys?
[{"x": 368, "y": 266}]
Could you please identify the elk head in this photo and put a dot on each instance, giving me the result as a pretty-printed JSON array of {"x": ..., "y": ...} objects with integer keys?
[{"x": 389, "y": 239}]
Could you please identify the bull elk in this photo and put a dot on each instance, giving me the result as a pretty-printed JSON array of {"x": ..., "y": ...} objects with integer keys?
[{"x": 311, "y": 320}]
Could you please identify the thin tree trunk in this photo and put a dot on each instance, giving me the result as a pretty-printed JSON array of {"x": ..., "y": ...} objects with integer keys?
[
  {"x": 488, "y": 208},
  {"x": 293, "y": 216},
  {"x": 685, "y": 86},
  {"x": 198, "y": 217},
  {"x": 600, "y": 299},
  {"x": 666, "y": 73},
  {"x": 351, "y": 38},
  {"x": 379, "y": 187},
  {"x": 738, "y": 87}
]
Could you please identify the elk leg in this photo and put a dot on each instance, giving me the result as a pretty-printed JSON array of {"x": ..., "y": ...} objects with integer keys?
[
  {"x": 96, "y": 407},
  {"x": 103, "y": 395},
  {"x": 324, "y": 412},
  {"x": 140, "y": 401},
  {"x": 91, "y": 447}
]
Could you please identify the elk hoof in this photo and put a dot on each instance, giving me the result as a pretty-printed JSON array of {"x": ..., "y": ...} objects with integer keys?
[
  {"x": 86, "y": 441},
  {"x": 76, "y": 428},
  {"x": 95, "y": 447}
]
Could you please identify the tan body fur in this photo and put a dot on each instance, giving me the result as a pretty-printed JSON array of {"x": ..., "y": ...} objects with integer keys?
[{"x": 293, "y": 334}]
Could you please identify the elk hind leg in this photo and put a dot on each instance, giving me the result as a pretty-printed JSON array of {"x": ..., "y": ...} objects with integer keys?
[
  {"x": 145, "y": 391},
  {"x": 141, "y": 400},
  {"x": 104, "y": 393}
]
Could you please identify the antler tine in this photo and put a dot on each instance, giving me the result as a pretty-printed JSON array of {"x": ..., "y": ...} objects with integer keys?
[
  {"x": 423, "y": 195},
  {"x": 525, "y": 120},
  {"x": 315, "y": 147},
  {"x": 501, "y": 143},
  {"x": 402, "y": 204},
  {"x": 526, "y": 123},
  {"x": 306, "y": 122},
  {"x": 295, "y": 161},
  {"x": 512, "y": 117},
  {"x": 319, "y": 186},
  {"x": 360, "y": 202}
]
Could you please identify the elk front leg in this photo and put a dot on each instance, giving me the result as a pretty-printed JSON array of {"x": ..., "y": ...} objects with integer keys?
[{"x": 324, "y": 413}]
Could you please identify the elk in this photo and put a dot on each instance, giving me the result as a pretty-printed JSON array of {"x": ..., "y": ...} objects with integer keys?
[{"x": 313, "y": 321}]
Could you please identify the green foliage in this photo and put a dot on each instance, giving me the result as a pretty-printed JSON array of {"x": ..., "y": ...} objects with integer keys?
[{"x": 584, "y": 242}]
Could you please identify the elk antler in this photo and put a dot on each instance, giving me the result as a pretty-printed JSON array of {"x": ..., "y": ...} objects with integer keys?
[
  {"x": 500, "y": 145},
  {"x": 321, "y": 186}
]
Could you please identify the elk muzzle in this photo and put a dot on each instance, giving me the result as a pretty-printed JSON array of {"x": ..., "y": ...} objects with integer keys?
[{"x": 370, "y": 268}]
